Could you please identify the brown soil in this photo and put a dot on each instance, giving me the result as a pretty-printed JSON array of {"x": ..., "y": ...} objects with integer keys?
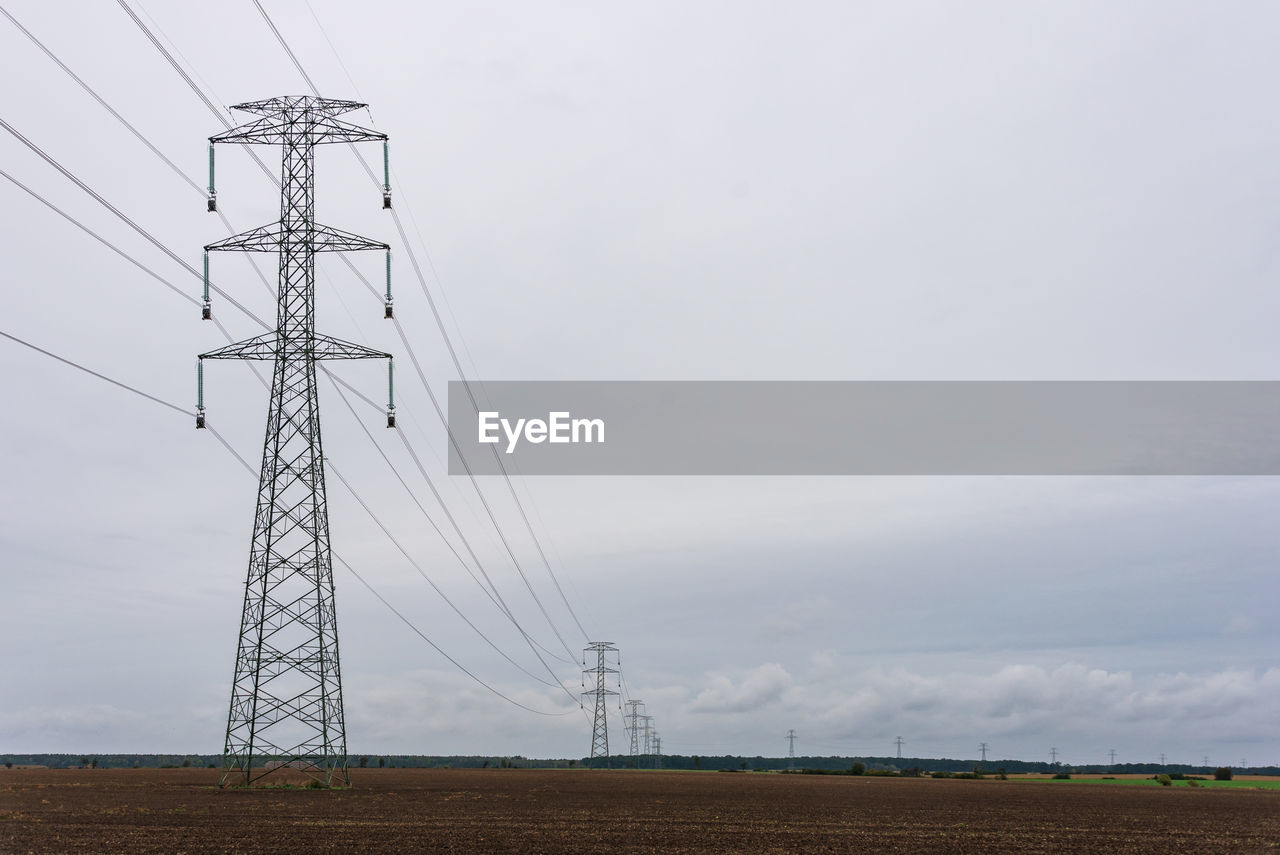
[{"x": 529, "y": 812}]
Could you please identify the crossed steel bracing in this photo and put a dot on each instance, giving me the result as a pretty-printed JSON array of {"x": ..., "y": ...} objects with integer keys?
[
  {"x": 286, "y": 699},
  {"x": 633, "y": 717},
  {"x": 600, "y": 724}
]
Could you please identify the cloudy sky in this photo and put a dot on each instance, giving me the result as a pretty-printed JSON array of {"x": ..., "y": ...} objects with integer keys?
[{"x": 705, "y": 191}]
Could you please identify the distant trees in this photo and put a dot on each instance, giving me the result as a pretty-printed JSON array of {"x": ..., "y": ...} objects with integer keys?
[
  {"x": 858, "y": 768},
  {"x": 1222, "y": 773},
  {"x": 364, "y": 761}
]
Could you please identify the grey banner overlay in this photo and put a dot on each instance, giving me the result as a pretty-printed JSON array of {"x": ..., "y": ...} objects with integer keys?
[{"x": 873, "y": 428}]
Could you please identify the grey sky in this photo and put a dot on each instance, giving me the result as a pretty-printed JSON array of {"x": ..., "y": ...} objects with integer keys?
[{"x": 826, "y": 191}]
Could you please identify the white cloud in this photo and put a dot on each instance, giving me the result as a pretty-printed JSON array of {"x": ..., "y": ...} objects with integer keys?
[{"x": 760, "y": 687}]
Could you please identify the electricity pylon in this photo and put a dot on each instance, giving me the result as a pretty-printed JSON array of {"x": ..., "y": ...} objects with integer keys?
[
  {"x": 633, "y": 715},
  {"x": 286, "y": 697},
  {"x": 791, "y": 749},
  {"x": 600, "y": 725}
]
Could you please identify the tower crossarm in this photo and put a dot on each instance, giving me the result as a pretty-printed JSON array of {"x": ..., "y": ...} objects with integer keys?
[
  {"x": 268, "y": 346},
  {"x": 280, "y": 117},
  {"x": 284, "y": 103},
  {"x": 271, "y": 237},
  {"x": 271, "y": 131}
]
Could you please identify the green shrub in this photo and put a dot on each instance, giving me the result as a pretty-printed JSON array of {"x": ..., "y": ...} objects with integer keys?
[
  {"x": 1222, "y": 773},
  {"x": 858, "y": 768},
  {"x": 941, "y": 775},
  {"x": 1165, "y": 780},
  {"x": 1193, "y": 782},
  {"x": 1062, "y": 776}
]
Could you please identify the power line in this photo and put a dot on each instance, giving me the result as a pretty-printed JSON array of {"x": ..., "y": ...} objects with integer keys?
[
  {"x": 133, "y": 130},
  {"x": 100, "y": 239},
  {"x": 435, "y": 402},
  {"x": 226, "y": 123},
  {"x": 73, "y": 364},
  {"x": 286, "y": 47},
  {"x": 494, "y": 596},
  {"x": 178, "y": 68},
  {"x": 113, "y": 209},
  {"x": 152, "y": 273},
  {"x": 116, "y": 249},
  {"x": 85, "y": 86},
  {"x": 248, "y": 468},
  {"x": 416, "y": 566},
  {"x": 466, "y": 384},
  {"x": 448, "y": 343}
]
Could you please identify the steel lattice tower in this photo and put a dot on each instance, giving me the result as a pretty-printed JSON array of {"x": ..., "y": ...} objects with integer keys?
[
  {"x": 600, "y": 725},
  {"x": 634, "y": 716},
  {"x": 286, "y": 698}
]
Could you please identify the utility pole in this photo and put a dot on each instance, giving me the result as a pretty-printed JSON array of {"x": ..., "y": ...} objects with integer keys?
[
  {"x": 286, "y": 697},
  {"x": 633, "y": 715},
  {"x": 983, "y": 748},
  {"x": 791, "y": 749},
  {"x": 898, "y": 742},
  {"x": 600, "y": 725}
]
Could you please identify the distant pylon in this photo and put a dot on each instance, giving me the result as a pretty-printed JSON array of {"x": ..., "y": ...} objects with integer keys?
[
  {"x": 983, "y": 748},
  {"x": 286, "y": 696},
  {"x": 898, "y": 742},
  {"x": 633, "y": 716},
  {"x": 647, "y": 728},
  {"x": 657, "y": 752},
  {"x": 791, "y": 749},
  {"x": 600, "y": 724}
]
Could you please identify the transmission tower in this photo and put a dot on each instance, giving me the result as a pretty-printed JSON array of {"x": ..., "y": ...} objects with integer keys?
[
  {"x": 983, "y": 748},
  {"x": 600, "y": 725},
  {"x": 657, "y": 752},
  {"x": 1053, "y": 753},
  {"x": 791, "y": 749},
  {"x": 633, "y": 716},
  {"x": 1112, "y": 752},
  {"x": 286, "y": 698},
  {"x": 647, "y": 725},
  {"x": 898, "y": 742}
]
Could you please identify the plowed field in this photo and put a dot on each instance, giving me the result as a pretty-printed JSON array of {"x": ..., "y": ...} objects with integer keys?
[{"x": 529, "y": 811}]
